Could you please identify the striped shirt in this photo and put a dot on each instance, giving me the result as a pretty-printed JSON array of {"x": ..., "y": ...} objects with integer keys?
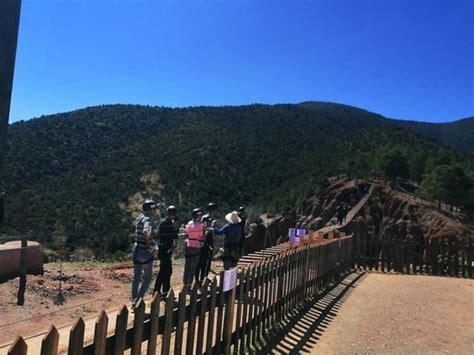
[{"x": 145, "y": 229}]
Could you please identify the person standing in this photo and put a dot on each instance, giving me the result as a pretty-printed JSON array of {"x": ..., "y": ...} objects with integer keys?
[
  {"x": 143, "y": 250},
  {"x": 167, "y": 235},
  {"x": 232, "y": 239},
  {"x": 243, "y": 225},
  {"x": 194, "y": 242},
  {"x": 205, "y": 259}
]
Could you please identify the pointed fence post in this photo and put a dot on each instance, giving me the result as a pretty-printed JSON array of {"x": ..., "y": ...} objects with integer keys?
[
  {"x": 49, "y": 344},
  {"x": 154, "y": 319},
  {"x": 76, "y": 338},
  {"x": 100, "y": 333},
  {"x": 228, "y": 320},
  {"x": 166, "y": 343},
  {"x": 211, "y": 317},
  {"x": 202, "y": 317},
  {"x": 178, "y": 342},
  {"x": 138, "y": 327},
  {"x": 192, "y": 320},
  {"x": 19, "y": 347},
  {"x": 121, "y": 331}
]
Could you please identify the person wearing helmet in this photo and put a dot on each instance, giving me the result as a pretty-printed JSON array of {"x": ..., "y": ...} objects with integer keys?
[
  {"x": 205, "y": 259},
  {"x": 167, "y": 235},
  {"x": 143, "y": 250},
  {"x": 194, "y": 242},
  {"x": 232, "y": 239},
  {"x": 243, "y": 224}
]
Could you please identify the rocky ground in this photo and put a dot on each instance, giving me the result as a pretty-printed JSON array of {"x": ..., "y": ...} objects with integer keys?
[
  {"x": 107, "y": 285},
  {"x": 388, "y": 213}
]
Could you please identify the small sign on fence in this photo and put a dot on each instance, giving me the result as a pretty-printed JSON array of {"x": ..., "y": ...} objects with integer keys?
[
  {"x": 230, "y": 279},
  {"x": 294, "y": 239}
]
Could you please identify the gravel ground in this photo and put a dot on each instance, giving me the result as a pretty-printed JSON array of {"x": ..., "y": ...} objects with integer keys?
[{"x": 403, "y": 314}]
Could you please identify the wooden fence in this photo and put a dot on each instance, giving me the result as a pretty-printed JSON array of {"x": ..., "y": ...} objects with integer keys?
[
  {"x": 435, "y": 256},
  {"x": 206, "y": 320}
]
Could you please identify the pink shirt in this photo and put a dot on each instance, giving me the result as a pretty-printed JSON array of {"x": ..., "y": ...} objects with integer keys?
[{"x": 195, "y": 232}]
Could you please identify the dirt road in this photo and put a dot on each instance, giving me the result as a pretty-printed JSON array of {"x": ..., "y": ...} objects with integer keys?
[{"x": 403, "y": 314}]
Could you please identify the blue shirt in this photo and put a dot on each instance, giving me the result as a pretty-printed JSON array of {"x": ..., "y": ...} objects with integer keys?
[{"x": 232, "y": 233}]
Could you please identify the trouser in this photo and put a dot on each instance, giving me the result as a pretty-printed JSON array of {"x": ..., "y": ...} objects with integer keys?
[
  {"x": 142, "y": 266},
  {"x": 231, "y": 257},
  {"x": 190, "y": 265},
  {"x": 230, "y": 263},
  {"x": 204, "y": 265},
  {"x": 163, "y": 279}
]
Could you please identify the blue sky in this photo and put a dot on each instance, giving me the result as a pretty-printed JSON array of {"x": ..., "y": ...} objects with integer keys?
[{"x": 408, "y": 59}]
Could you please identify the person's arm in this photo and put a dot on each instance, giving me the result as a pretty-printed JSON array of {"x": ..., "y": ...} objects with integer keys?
[{"x": 222, "y": 230}]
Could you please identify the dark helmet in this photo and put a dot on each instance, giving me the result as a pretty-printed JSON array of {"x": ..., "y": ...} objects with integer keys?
[
  {"x": 171, "y": 209},
  {"x": 197, "y": 212},
  {"x": 241, "y": 209},
  {"x": 212, "y": 206},
  {"x": 148, "y": 205}
]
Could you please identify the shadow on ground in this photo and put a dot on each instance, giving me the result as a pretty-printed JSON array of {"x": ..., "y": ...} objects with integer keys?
[{"x": 301, "y": 331}]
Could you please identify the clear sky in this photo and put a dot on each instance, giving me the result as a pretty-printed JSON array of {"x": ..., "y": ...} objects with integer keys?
[{"x": 409, "y": 59}]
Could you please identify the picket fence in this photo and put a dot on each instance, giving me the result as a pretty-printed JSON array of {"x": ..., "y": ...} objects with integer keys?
[
  {"x": 206, "y": 320},
  {"x": 430, "y": 256}
]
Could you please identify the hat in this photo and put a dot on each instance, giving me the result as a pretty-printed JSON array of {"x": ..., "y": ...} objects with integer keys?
[
  {"x": 197, "y": 212},
  {"x": 172, "y": 209},
  {"x": 148, "y": 205},
  {"x": 233, "y": 217}
]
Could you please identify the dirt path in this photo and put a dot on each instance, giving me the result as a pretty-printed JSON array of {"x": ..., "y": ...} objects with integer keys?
[
  {"x": 402, "y": 314},
  {"x": 351, "y": 214}
]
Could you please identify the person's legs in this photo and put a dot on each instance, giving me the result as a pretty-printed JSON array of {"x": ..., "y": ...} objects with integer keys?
[
  {"x": 137, "y": 275},
  {"x": 147, "y": 269},
  {"x": 188, "y": 273},
  {"x": 167, "y": 271},
  {"x": 199, "y": 276},
  {"x": 161, "y": 274},
  {"x": 190, "y": 266},
  {"x": 207, "y": 266}
]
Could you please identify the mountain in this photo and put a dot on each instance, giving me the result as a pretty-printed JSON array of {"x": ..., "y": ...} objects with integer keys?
[
  {"x": 457, "y": 135},
  {"x": 86, "y": 171}
]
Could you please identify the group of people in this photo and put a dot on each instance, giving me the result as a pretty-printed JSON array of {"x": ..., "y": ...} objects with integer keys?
[{"x": 156, "y": 239}]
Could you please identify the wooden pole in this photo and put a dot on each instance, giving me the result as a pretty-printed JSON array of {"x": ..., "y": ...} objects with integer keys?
[
  {"x": 9, "y": 23},
  {"x": 24, "y": 250}
]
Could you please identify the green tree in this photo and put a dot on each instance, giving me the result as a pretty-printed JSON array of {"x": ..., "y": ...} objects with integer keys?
[
  {"x": 393, "y": 164},
  {"x": 447, "y": 182},
  {"x": 58, "y": 239},
  {"x": 417, "y": 163}
]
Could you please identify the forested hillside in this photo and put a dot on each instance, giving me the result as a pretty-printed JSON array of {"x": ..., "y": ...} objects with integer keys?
[{"x": 85, "y": 172}]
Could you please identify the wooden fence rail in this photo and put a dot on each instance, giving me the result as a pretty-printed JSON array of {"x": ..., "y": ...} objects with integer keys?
[
  {"x": 436, "y": 256},
  {"x": 207, "y": 320}
]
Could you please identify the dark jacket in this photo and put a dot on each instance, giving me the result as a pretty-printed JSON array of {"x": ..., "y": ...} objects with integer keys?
[
  {"x": 167, "y": 233},
  {"x": 232, "y": 235}
]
